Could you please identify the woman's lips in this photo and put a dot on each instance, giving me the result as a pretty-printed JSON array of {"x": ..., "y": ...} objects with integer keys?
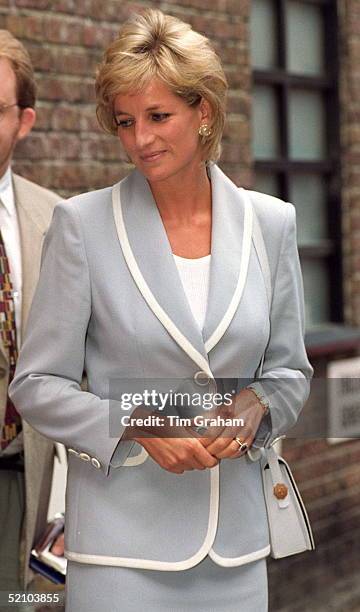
[{"x": 152, "y": 156}]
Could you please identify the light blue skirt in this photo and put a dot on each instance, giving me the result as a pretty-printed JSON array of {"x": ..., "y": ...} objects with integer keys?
[{"x": 207, "y": 587}]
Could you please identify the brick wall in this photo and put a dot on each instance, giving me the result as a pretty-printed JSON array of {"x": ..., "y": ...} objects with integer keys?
[
  {"x": 329, "y": 479},
  {"x": 67, "y": 151},
  {"x": 350, "y": 98}
]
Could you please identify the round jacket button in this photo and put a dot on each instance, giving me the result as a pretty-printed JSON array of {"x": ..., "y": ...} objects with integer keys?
[
  {"x": 201, "y": 378},
  {"x": 72, "y": 451},
  {"x": 84, "y": 456},
  {"x": 96, "y": 463}
]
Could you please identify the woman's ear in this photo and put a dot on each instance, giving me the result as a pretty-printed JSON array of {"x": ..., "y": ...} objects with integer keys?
[{"x": 206, "y": 111}]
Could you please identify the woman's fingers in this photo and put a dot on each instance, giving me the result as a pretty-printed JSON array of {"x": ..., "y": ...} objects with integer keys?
[
  {"x": 178, "y": 454},
  {"x": 222, "y": 442},
  {"x": 205, "y": 458},
  {"x": 251, "y": 412},
  {"x": 235, "y": 450},
  {"x": 226, "y": 446}
]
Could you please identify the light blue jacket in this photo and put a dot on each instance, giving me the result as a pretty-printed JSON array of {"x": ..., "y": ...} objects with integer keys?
[{"x": 110, "y": 300}]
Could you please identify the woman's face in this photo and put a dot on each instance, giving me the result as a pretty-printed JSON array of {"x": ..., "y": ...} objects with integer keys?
[{"x": 159, "y": 131}]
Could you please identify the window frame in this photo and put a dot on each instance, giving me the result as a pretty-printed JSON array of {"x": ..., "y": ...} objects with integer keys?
[{"x": 330, "y": 249}]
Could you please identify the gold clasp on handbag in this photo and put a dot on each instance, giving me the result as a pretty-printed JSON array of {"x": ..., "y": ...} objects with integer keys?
[{"x": 280, "y": 490}]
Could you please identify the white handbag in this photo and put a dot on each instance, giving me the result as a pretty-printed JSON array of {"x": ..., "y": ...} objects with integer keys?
[{"x": 289, "y": 526}]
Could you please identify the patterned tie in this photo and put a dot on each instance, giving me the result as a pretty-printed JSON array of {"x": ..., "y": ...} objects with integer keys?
[{"x": 12, "y": 422}]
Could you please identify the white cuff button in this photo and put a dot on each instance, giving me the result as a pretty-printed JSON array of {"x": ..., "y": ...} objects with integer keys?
[
  {"x": 96, "y": 463},
  {"x": 84, "y": 456}
]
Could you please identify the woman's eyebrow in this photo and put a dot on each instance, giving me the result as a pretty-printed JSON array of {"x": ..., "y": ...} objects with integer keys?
[{"x": 149, "y": 108}]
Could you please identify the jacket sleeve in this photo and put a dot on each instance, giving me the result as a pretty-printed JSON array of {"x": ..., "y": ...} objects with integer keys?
[
  {"x": 46, "y": 387},
  {"x": 284, "y": 383}
]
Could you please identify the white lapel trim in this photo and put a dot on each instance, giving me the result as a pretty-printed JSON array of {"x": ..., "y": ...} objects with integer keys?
[
  {"x": 245, "y": 257},
  {"x": 144, "y": 288}
]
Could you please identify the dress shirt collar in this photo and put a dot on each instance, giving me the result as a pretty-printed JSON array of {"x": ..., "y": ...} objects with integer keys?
[{"x": 7, "y": 192}]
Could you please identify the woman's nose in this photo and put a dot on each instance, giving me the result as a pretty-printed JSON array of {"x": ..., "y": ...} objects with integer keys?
[{"x": 144, "y": 134}]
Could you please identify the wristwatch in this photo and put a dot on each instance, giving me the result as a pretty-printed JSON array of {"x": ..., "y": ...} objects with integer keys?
[{"x": 261, "y": 397}]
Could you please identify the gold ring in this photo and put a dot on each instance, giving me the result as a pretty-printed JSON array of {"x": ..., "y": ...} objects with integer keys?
[{"x": 242, "y": 445}]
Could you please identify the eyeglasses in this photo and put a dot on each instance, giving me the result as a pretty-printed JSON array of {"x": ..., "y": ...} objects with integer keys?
[{"x": 5, "y": 107}]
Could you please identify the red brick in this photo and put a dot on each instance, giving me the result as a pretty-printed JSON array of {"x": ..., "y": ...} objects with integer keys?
[
  {"x": 293, "y": 451},
  {"x": 65, "y": 89},
  {"x": 229, "y": 52},
  {"x": 102, "y": 148},
  {"x": 49, "y": 145},
  {"x": 36, "y": 4},
  {"x": 111, "y": 10},
  {"x": 30, "y": 27},
  {"x": 43, "y": 116},
  {"x": 66, "y": 31},
  {"x": 98, "y": 36},
  {"x": 237, "y": 130},
  {"x": 232, "y": 7},
  {"x": 336, "y": 458},
  {"x": 79, "y": 176},
  {"x": 88, "y": 120},
  {"x": 116, "y": 171},
  {"x": 64, "y": 6},
  {"x": 65, "y": 118},
  {"x": 57, "y": 59},
  {"x": 238, "y": 79},
  {"x": 240, "y": 105},
  {"x": 40, "y": 173}
]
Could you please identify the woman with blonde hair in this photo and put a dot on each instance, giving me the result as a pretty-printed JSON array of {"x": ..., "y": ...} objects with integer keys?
[{"x": 155, "y": 283}]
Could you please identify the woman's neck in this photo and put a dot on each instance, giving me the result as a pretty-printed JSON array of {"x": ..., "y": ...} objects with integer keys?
[{"x": 180, "y": 200}]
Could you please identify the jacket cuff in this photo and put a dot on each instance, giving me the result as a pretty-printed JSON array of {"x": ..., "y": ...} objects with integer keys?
[{"x": 264, "y": 434}]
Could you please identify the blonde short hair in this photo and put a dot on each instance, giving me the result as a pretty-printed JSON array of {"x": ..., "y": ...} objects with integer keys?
[
  {"x": 14, "y": 51},
  {"x": 153, "y": 44}
]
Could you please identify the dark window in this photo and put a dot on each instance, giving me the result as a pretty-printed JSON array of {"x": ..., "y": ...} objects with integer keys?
[{"x": 296, "y": 135}]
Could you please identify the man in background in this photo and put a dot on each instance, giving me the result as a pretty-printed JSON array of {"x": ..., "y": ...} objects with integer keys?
[{"x": 26, "y": 458}]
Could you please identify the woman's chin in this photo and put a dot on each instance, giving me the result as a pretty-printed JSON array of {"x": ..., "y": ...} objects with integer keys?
[{"x": 156, "y": 174}]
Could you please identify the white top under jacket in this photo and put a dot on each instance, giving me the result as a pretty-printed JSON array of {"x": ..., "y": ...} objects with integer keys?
[{"x": 195, "y": 278}]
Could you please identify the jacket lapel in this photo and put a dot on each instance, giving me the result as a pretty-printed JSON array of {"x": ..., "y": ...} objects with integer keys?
[
  {"x": 32, "y": 231},
  {"x": 148, "y": 255},
  {"x": 230, "y": 254}
]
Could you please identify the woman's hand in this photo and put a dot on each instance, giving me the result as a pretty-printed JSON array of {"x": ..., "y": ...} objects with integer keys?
[
  {"x": 174, "y": 448},
  {"x": 247, "y": 407},
  {"x": 178, "y": 455}
]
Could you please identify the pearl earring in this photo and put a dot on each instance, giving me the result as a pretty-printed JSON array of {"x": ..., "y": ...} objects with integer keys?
[{"x": 205, "y": 130}]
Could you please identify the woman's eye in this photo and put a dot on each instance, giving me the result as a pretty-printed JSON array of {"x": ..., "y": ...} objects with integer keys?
[
  {"x": 124, "y": 123},
  {"x": 160, "y": 116}
]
